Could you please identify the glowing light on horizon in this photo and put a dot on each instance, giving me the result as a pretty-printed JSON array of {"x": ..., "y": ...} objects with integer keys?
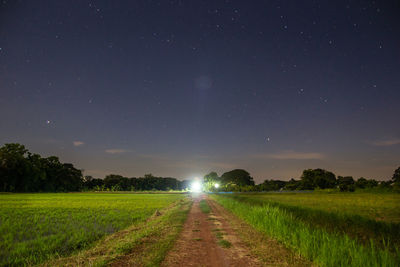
[{"x": 196, "y": 186}]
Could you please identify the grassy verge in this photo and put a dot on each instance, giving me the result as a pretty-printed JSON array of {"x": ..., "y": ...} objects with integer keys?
[
  {"x": 204, "y": 206},
  {"x": 269, "y": 251},
  {"x": 318, "y": 245},
  {"x": 141, "y": 245}
]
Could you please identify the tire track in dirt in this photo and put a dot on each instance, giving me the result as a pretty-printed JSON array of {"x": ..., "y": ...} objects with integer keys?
[{"x": 198, "y": 242}]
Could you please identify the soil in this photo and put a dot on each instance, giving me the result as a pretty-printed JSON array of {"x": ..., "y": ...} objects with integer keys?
[{"x": 209, "y": 240}]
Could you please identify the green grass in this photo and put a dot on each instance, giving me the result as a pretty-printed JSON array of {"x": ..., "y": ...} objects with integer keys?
[
  {"x": 336, "y": 214},
  {"x": 145, "y": 244},
  {"x": 381, "y": 207},
  {"x": 204, "y": 206},
  {"x": 326, "y": 248},
  {"x": 37, "y": 227},
  {"x": 224, "y": 243}
]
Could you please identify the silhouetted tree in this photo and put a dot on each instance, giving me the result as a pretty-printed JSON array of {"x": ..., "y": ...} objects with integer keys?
[
  {"x": 292, "y": 184},
  {"x": 320, "y": 178},
  {"x": 14, "y": 167},
  {"x": 210, "y": 180},
  {"x": 396, "y": 176},
  {"x": 237, "y": 177},
  {"x": 272, "y": 185},
  {"x": 346, "y": 183},
  {"x": 22, "y": 171}
]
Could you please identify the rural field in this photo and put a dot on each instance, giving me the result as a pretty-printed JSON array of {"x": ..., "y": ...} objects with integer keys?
[
  {"x": 240, "y": 229},
  {"x": 39, "y": 227},
  {"x": 330, "y": 229}
]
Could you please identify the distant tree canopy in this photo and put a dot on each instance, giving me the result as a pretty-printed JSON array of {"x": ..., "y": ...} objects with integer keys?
[
  {"x": 317, "y": 178},
  {"x": 311, "y": 179},
  {"x": 365, "y": 183},
  {"x": 237, "y": 177},
  {"x": 272, "y": 185},
  {"x": 149, "y": 182},
  {"x": 396, "y": 176},
  {"x": 22, "y": 171},
  {"x": 210, "y": 180},
  {"x": 346, "y": 183}
]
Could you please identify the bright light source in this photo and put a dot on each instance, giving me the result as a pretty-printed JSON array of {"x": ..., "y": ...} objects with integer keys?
[
  {"x": 216, "y": 185},
  {"x": 196, "y": 186}
]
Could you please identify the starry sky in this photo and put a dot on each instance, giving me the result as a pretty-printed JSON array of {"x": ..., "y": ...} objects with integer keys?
[{"x": 181, "y": 88}]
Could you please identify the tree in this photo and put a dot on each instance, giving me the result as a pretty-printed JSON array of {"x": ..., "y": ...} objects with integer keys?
[
  {"x": 14, "y": 167},
  {"x": 237, "y": 177},
  {"x": 372, "y": 183},
  {"x": 110, "y": 181},
  {"x": 361, "y": 183},
  {"x": 53, "y": 167},
  {"x": 365, "y": 183},
  {"x": 346, "y": 183},
  {"x": 396, "y": 176},
  {"x": 22, "y": 171},
  {"x": 37, "y": 174},
  {"x": 272, "y": 185},
  {"x": 210, "y": 180},
  {"x": 71, "y": 179},
  {"x": 317, "y": 178},
  {"x": 292, "y": 184}
]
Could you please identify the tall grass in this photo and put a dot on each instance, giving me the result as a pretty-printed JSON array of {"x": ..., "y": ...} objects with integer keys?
[
  {"x": 37, "y": 227},
  {"x": 316, "y": 244},
  {"x": 375, "y": 206},
  {"x": 331, "y": 217}
]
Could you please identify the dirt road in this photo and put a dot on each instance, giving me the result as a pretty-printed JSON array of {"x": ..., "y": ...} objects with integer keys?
[{"x": 208, "y": 240}]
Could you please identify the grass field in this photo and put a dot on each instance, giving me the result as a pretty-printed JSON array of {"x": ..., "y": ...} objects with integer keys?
[
  {"x": 380, "y": 207},
  {"x": 335, "y": 229},
  {"x": 37, "y": 227}
]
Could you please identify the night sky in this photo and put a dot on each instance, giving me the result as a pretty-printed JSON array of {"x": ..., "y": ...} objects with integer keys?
[{"x": 181, "y": 88}]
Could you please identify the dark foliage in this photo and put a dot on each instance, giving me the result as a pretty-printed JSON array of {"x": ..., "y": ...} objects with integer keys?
[
  {"x": 115, "y": 182},
  {"x": 396, "y": 176},
  {"x": 346, "y": 183},
  {"x": 317, "y": 178},
  {"x": 237, "y": 177},
  {"x": 22, "y": 171}
]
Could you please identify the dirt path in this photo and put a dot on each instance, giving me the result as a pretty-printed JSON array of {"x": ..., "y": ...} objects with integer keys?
[{"x": 208, "y": 240}]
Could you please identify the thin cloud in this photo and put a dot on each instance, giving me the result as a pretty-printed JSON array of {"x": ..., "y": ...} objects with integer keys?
[
  {"x": 387, "y": 142},
  {"x": 78, "y": 143},
  {"x": 116, "y": 151},
  {"x": 286, "y": 155}
]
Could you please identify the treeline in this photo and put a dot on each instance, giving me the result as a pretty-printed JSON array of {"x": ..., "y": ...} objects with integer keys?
[
  {"x": 149, "y": 182},
  {"x": 311, "y": 179},
  {"x": 23, "y": 171}
]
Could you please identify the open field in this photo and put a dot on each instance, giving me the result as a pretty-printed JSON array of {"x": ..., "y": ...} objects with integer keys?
[
  {"x": 329, "y": 229},
  {"x": 376, "y": 206},
  {"x": 119, "y": 229},
  {"x": 37, "y": 227}
]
